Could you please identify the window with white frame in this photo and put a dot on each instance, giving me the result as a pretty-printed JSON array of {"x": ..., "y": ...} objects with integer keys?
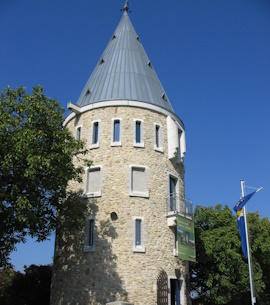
[
  {"x": 138, "y": 133},
  {"x": 139, "y": 185},
  {"x": 95, "y": 134},
  {"x": 89, "y": 243},
  {"x": 176, "y": 290},
  {"x": 116, "y": 132},
  {"x": 173, "y": 200},
  {"x": 78, "y": 133},
  {"x": 139, "y": 234},
  {"x": 93, "y": 180},
  {"x": 158, "y": 137}
]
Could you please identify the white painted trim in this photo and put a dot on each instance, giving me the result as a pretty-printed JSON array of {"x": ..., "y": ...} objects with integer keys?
[
  {"x": 141, "y": 144},
  {"x": 94, "y": 194},
  {"x": 118, "y": 143},
  {"x": 115, "y": 103},
  {"x": 159, "y": 148},
  {"x": 140, "y": 248},
  {"x": 138, "y": 194},
  {"x": 182, "y": 289},
  {"x": 96, "y": 145},
  {"x": 76, "y": 130},
  {"x": 89, "y": 248}
]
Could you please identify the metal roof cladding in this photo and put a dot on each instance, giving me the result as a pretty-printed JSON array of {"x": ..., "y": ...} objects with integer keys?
[{"x": 124, "y": 72}]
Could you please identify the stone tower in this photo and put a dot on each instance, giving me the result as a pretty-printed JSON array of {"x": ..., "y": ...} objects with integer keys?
[{"x": 134, "y": 189}]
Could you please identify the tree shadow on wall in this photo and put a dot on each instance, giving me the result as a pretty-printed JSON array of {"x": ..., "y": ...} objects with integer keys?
[{"x": 80, "y": 277}]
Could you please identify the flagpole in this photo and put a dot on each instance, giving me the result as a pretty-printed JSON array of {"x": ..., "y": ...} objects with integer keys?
[{"x": 253, "y": 299}]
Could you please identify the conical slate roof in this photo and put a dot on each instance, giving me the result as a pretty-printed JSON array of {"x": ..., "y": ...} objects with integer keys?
[{"x": 124, "y": 72}]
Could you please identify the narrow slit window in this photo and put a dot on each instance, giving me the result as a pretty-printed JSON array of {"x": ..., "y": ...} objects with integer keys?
[
  {"x": 116, "y": 131},
  {"x": 138, "y": 132},
  {"x": 79, "y": 133},
  {"x": 157, "y": 136},
  {"x": 95, "y": 132},
  {"x": 138, "y": 233},
  {"x": 91, "y": 232}
]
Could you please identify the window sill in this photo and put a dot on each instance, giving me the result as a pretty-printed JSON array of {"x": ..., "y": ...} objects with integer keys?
[
  {"x": 116, "y": 144},
  {"x": 93, "y": 146},
  {"x": 159, "y": 149},
  {"x": 139, "y": 194},
  {"x": 140, "y": 249},
  {"x": 140, "y": 145},
  {"x": 89, "y": 248},
  {"x": 91, "y": 195}
]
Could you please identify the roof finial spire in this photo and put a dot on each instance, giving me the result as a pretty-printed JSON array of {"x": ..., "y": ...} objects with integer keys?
[{"x": 126, "y": 7}]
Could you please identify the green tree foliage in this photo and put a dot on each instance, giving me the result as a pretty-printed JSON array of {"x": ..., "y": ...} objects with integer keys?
[
  {"x": 29, "y": 288},
  {"x": 220, "y": 275},
  {"x": 36, "y": 164}
]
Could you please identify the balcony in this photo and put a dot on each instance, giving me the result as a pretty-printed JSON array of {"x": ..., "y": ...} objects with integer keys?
[{"x": 176, "y": 206}]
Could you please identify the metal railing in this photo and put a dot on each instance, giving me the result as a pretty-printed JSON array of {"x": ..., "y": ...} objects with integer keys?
[{"x": 178, "y": 206}]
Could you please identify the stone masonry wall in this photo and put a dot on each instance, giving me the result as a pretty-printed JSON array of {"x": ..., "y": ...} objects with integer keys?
[{"x": 113, "y": 271}]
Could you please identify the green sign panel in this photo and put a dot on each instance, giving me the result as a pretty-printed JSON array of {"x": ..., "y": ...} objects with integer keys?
[{"x": 186, "y": 239}]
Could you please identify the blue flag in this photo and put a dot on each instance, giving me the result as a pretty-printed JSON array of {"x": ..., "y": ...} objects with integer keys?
[
  {"x": 239, "y": 205},
  {"x": 242, "y": 231},
  {"x": 241, "y": 220}
]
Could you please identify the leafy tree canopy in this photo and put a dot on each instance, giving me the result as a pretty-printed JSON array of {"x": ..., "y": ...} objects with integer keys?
[
  {"x": 36, "y": 164},
  {"x": 29, "y": 288},
  {"x": 221, "y": 275}
]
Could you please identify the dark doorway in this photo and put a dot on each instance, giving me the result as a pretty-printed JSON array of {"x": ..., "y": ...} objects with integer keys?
[{"x": 175, "y": 292}]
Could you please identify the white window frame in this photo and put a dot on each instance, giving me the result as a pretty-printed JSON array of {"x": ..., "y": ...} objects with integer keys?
[
  {"x": 177, "y": 182},
  {"x": 95, "y": 145},
  {"x": 136, "y": 193},
  {"x": 171, "y": 175},
  {"x": 87, "y": 246},
  {"x": 87, "y": 170},
  {"x": 140, "y": 144},
  {"x": 141, "y": 247},
  {"x": 76, "y": 132},
  {"x": 159, "y": 148},
  {"x": 182, "y": 290},
  {"x": 116, "y": 143}
]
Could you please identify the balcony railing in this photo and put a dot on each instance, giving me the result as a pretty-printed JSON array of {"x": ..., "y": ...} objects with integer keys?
[{"x": 176, "y": 205}]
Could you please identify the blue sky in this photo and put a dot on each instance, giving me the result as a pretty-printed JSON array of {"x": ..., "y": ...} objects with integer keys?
[{"x": 213, "y": 60}]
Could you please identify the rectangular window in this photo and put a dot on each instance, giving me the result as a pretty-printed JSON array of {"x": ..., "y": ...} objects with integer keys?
[
  {"x": 95, "y": 133},
  {"x": 91, "y": 232},
  {"x": 139, "y": 234},
  {"x": 78, "y": 135},
  {"x": 138, "y": 133},
  {"x": 93, "y": 181},
  {"x": 158, "y": 137},
  {"x": 89, "y": 244},
  {"x": 174, "y": 199},
  {"x": 139, "y": 184},
  {"x": 116, "y": 131},
  {"x": 138, "y": 224}
]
